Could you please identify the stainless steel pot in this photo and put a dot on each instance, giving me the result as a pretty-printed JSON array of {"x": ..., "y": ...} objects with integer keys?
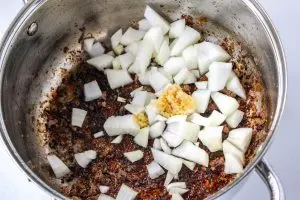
[{"x": 31, "y": 57}]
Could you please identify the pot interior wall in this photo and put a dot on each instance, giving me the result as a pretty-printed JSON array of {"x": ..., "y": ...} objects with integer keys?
[{"x": 34, "y": 63}]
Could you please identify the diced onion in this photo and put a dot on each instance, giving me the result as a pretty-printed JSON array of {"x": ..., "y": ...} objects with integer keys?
[
  {"x": 201, "y": 98},
  {"x": 188, "y": 37},
  {"x": 176, "y": 196},
  {"x": 181, "y": 76},
  {"x": 231, "y": 149},
  {"x": 169, "y": 162},
  {"x": 99, "y": 134},
  {"x": 174, "y": 65},
  {"x": 136, "y": 90},
  {"x": 235, "y": 86},
  {"x": 92, "y": 91},
  {"x": 155, "y": 36},
  {"x": 59, "y": 168},
  {"x": 189, "y": 164},
  {"x": 216, "y": 118},
  {"x": 156, "y": 144},
  {"x": 176, "y": 184},
  {"x": 177, "y": 190},
  {"x": 116, "y": 63},
  {"x": 126, "y": 193},
  {"x": 241, "y": 138},
  {"x": 176, "y": 118},
  {"x": 132, "y": 48},
  {"x": 144, "y": 25},
  {"x": 211, "y": 137},
  {"x": 103, "y": 189},
  {"x": 121, "y": 99},
  {"x": 118, "y": 49},
  {"x": 118, "y": 78},
  {"x": 117, "y": 140},
  {"x": 226, "y": 104},
  {"x": 84, "y": 158},
  {"x": 202, "y": 85},
  {"x": 142, "y": 137},
  {"x": 184, "y": 130},
  {"x": 172, "y": 139},
  {"x": 78, "y": 116},
  {"x": 101, "y": 62},
  {"x": 105, "y": 197},
  {"x": 232, "y": 164},
  {"x": 190, "y": 57},
  {"x": 198, "y": 119},
  {"x": 160, "y": 118},
  {"x": 218, "y": 75},
  {"x": 163, "y": 53},
  {"x": 187, "y": 150},
  {"x": 88, "y": 44},
  {"x": 134, "y": 109},
  {"x": 190, "y": 78},
  {"x": 196, "y": 73},
  {"x": 156, "y": 20},
  {"x": 126, "y": 60},
  {"x": 151, "y": 112},
  {"x": 158, "y": 81},
  {"x": 165, "y": 146},
  {"x": 177, "y": 28},
  {"x": 235, "y": 118},
  {"x": 131, "y": 35},
  {"x": 157, "y": 129},
  {"x": 168, "y": 179},
  {"x": 142, "y": 98},
  {"x": 116, "y": 38},
  {"x": 118, "y": 125},
  {"x": 154, "y": 170},
  {"x": 134, "y": 156}
]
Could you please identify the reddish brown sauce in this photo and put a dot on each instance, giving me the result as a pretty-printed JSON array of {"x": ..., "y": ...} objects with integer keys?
[{"x": 110, "y": 167}]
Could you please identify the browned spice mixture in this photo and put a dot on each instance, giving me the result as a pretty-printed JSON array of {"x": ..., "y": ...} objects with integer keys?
[{"x": 111, "y": 168}]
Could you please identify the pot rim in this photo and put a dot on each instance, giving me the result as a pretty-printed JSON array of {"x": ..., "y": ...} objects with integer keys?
[{"x": 281, "y": 67}]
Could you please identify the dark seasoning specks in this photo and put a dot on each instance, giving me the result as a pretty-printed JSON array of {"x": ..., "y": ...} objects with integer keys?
[{"x": 110, "y": 167}]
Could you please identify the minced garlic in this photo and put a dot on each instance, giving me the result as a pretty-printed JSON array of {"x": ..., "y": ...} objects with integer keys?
[
  {"x": 142, "y": 119},
  {"x": 174, "y": 101}
]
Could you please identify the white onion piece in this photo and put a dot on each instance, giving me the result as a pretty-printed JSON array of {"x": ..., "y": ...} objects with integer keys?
[
  {"x": 189, "y": 164},
  {"x": 198, "y": 119},
  {"x": 105, "y": 197},
  {"x": 78, "y": 116},
  {"x": 181, "y": 76},
  {"x": 174, "y": 65},
  {"x": 218, "y": 75},
  {"x": 201, "y": 85},
  {"x": 96, "y": 50},
  {"x": 177, "y": 190},
  {"x": 156, "y": 20},
  {"x": 164, "y": 146},
  {"x": 232, "y": 164},
  {"x": 208, "y": 53},
  {"x": 216, "y": 118},
  {"x": 136, "y": 90},
  {"x": 99, "y": 134},
  {"x": 116, "y": 64},
  {"x": 111, "y": 53},
  {"x": 201, "y": 98},
  {"x": 117, "y": 140},
  {"x": 131, "y": 35},
  {"x": 169, "y": 162},
  {"x": 187, "y": 150},
  {"x": 241, "y": 138},
  {"x": 103, "y": 189},
  {"x": 211, "y": 137},
  {"x": 168, "y": 76},
  {"x": 157, "y": 129},
  {"x": 155, "y": 36},
  {"x": 144, "y": 25},
  {"x": 176, "y": 196},
  {"x": 118, "y": 125},
  {"x": 145, "y": 77},
  {"x": 118, "y": 49},
  {"x": 158, "y": 93},
  {"x": 160, "y": 118},
  {"x": 158, "y": 81},
  {"x": 231, "y": 149},
  {"x": 176, "y": 184},
  {"x": 134, "y": 109},
  {"x": 156, "y": 144},
  {"x": 59, "y": 168},
  {"x": 84, "y": 158},
  {"x": 235, "y": 118},
  {"x": 151, "y": 112},
  {"x": 163, "y": 53},
  {"x": 126, "y": 60},
  {"x": 176, "y": 118},
  {"x": 190, "y": 78},
  {"x": 142, "y": 98},
  {"x": 196, "y": 73},
  {"x": 172, "y": 139},
  {"x": 154, "y": 170},
  {"x": 168, "y": 179},
  {"x": 101, "y": 62},
  {"x": 132, "y": 48},
  {"x": 92, "y": 91},
  {"x": 118, "y": 78},
  {"x": 235, "y": 86},
  {"x": 134, "y": 156},
  {"x": 188, "y": 37},
  {"x": 88, "y": 44},
  {"x": 126, "y": 193},
  {"x": 177, "y": 28},
  {"x": 226, "y": 104},
  {"x": 142, "y": 137},
  {"x": 173, "y": 43},
  {"x": 190, "y": 57},
  {"x": 143, "y": 57},
  {"x": 121, "y": 100},
  {"x": 116, "y": 38},
  {"x": 184, "y": 130}
]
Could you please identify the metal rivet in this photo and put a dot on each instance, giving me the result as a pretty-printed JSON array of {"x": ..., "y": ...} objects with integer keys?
[{"x": 32, "y": 29}]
